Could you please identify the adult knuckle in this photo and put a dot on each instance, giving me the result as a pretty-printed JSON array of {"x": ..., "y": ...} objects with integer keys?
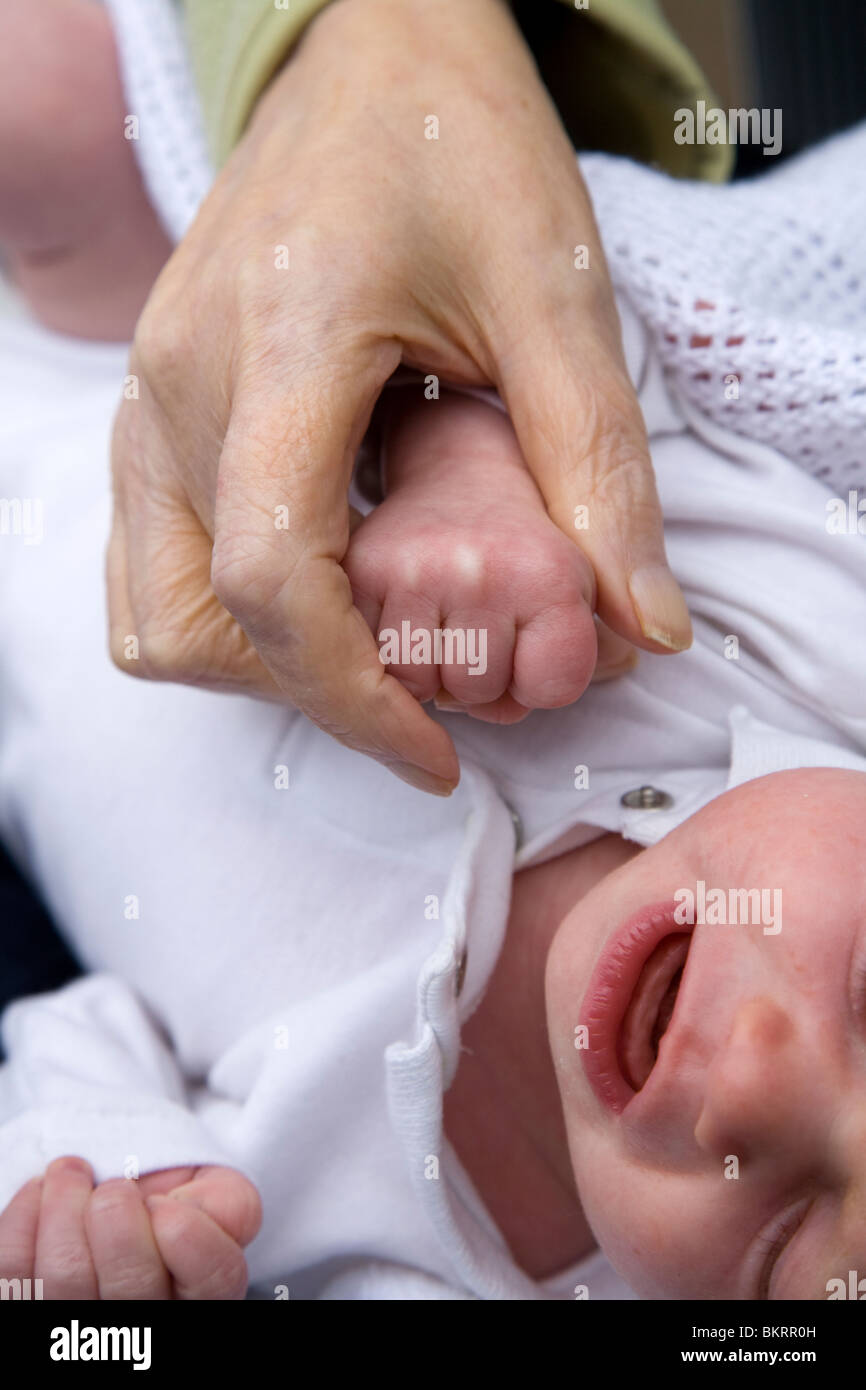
[
  {"x": 245, "y": 580},
  {"x": 158, "y": 342},
  {"x": 613, "y": 450},
  {"x": 239, "y": 580},
  {"x": 166, "y": 344},
  {"x": 611, "y": 469},
  {"x": 366, "y": 685},
  {"x": 161, "y": 653}
]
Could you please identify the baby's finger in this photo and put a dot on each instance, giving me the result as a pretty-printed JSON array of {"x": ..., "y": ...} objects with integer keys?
[
  {"x": 63, "y": 1260},
  {"x": 477, "y": 655},
  {"x": 554, "y": 656},
  {"x": 228, "y": 1198},
  {"x": 122, "y": 1245},
  {"x": 19, "y": 1223},
  {"x": 204, "y": 1262},
  {"x": 505, "y": 710},
  {"x": 403, "y": 620}
]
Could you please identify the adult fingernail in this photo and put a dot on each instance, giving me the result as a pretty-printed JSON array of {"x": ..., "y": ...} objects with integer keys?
[
  {"x": 660, "y": 607},
  {"x": 449, "y": 704},
  {"x": 424, "y": 781},
  {"x": 609, "y": 673}
]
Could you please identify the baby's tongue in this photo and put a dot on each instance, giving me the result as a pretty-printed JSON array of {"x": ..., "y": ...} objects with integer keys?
[{"x": 649, "y": 1011}]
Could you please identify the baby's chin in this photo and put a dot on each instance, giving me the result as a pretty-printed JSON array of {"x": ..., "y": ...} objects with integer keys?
[
  {"x": 638, "y": 1263},
  {"x": 648, "y": 1262}
]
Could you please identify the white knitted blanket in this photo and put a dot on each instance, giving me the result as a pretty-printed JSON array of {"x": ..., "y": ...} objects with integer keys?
[{"x": 755, "y": 293}]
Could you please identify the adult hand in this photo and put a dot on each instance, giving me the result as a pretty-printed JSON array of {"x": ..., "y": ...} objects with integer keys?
[{"x": 339, "y": 241}]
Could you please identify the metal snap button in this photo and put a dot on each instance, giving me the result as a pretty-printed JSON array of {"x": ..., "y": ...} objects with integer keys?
[
  {"x": 518, "y": 826},
  {"x": 647, "y": 799},
  {"x": 460, "y": 976}
]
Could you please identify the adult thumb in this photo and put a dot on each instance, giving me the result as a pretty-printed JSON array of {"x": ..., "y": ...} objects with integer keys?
[{"x": 582, "y": 433}]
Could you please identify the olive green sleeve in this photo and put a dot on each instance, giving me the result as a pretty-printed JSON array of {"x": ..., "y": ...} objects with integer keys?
[
  {"x": 614, "y": 67},
  {"x": 236, "y": 47},
  {"x": 618, "y": 73}
]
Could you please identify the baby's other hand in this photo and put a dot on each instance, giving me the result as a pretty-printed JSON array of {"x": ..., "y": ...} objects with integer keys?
[{"x": 174, "y": 1234}]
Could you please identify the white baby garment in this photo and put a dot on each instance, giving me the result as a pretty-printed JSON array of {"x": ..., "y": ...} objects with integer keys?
[
  {"x": 285, "y": 939},
  {"x": 277, "y": 926}
]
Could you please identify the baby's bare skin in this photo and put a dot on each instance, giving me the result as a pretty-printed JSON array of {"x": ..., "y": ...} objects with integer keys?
[
  {"x": 762, "y": 1061},
  {"x": 78, "y": 235}
]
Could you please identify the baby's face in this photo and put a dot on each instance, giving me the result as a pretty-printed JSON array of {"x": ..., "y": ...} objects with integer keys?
[{"x": 732, "y": 1164}]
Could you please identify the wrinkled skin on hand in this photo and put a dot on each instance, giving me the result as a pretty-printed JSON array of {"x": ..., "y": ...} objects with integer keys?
[{"x": 337, "y": 243}]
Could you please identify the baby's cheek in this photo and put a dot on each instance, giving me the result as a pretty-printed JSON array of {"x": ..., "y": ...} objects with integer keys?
[{"x": 61, "y": 118}]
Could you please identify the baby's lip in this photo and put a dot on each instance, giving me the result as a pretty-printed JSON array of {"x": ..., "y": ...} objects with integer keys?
[
  {"x": 610, "y": 996},
  {"x": 650, "y": 1009}
]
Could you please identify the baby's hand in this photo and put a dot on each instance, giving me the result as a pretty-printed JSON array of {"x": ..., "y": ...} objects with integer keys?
[
  {"x": 174, "y": 1234},
  {"x": 463, "y": 543}
]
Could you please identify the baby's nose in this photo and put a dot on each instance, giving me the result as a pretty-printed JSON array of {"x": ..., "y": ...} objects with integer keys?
[{"x": 756, "y": 1099}]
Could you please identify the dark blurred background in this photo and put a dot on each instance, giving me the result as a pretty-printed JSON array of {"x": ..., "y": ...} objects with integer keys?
[
  {"x": 807, "y": 57},
  {"x": 32, "y": 956}
]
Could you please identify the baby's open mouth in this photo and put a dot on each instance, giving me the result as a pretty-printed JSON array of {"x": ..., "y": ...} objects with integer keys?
[{"x": 651, "y": 1008}]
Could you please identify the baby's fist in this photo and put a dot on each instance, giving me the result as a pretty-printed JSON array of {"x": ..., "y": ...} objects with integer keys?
[{"x": 175, "y": 1234}]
